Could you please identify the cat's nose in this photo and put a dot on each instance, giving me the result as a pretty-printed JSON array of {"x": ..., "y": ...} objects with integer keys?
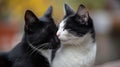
[{"x": 58, "y": 34}]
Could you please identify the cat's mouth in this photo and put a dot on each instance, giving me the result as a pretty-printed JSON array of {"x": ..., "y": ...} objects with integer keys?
[{"x": 63, "y": 40}]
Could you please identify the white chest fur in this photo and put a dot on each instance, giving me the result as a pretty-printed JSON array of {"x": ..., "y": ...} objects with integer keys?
[
  {"x": 47, "y": 54},
  {"x": 75, "y": 56}
]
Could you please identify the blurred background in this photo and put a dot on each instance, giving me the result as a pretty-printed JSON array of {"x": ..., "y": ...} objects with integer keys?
[{"x": 105, "y": 13}]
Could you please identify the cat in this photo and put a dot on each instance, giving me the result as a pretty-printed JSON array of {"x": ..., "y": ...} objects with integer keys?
[
  {"x": 77, "y": 36},
  {"x": 38, "y": 43}
]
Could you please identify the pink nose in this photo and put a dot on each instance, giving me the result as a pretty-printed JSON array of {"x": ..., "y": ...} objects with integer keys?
[{"x": 58, "y": 34}]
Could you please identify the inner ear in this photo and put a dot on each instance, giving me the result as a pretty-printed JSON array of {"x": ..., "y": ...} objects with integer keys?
[
  {"x": 83, "y": 12},
  {"x": 30, "y": 17},
  {"x": 68, "y": 10}
]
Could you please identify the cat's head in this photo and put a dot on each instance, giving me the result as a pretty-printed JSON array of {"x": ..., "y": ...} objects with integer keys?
[
  {"x": 41, "y": 32},
  {"x": 75, "y": 25}
]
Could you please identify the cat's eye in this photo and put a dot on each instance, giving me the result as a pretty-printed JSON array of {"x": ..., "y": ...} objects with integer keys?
[{"x": 83, "y": 16}]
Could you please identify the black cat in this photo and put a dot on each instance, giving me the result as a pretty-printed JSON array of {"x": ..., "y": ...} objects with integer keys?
[{"x": 38, "y": 43}]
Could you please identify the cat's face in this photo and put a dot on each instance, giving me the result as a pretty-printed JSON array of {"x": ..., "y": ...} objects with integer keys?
[
  {"x": 42, "y": 30},
  {"x": 75, "y": 26}
]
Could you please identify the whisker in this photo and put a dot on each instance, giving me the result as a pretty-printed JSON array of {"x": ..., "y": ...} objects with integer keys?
[{"x": 37, "y": 48}]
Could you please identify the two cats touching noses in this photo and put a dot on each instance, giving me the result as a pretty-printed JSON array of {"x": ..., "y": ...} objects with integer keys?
[{"x": 71, "y": 44}]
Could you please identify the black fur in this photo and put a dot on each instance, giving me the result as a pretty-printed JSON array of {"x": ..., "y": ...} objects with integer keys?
[
  {"x": 4, "y": 62},
  {"x": 38, "y": 32},
  {"x": 76, "y": 24},
  {"x": 68, "y": 10}
]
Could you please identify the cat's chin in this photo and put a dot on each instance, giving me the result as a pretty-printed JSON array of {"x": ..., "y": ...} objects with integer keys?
[{"x": 65, "y": 41}]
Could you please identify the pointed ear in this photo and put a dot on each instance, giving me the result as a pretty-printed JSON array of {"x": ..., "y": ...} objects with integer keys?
[
  {"x": 68, "y": 10},
  {"x": 49, "y": 12},
  {"x": 83, "y": 12},
  {"x": 30, "y": 17}
]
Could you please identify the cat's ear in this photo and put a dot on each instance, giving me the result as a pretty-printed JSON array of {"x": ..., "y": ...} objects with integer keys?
[
  {"x": 30, "y": 17},
  {"x": 49, "y": 11},
  {"x": 83, "y": 12},
  {"x": 68, "y": 10}
]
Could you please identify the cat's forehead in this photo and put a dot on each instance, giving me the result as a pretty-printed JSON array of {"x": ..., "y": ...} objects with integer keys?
[{"x": 63, "y": 22}]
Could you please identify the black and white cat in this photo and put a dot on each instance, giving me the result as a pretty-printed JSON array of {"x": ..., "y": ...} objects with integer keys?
[
  {"x": 77, "y": 36},
  {"x": 39, "y": 40}
]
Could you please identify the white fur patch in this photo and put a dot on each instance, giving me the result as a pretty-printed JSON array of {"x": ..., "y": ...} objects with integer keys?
[
  {"x": 47, "y": 54},
  {"x": 61, "y": 30},
  {"x": 75, "y": 56},
  {"x": 82, "y": 55}
]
